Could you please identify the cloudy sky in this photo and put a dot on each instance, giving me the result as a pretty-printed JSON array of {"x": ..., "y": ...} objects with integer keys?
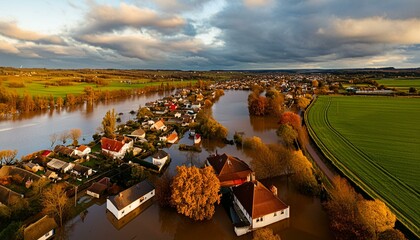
[{"x": 210, "y": 34}]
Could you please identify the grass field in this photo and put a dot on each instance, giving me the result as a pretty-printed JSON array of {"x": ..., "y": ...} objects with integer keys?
[
  {"x": 400, "y": 84},
  {"x": 37, "y": 87},
  {"x": 374, "y": 141}
]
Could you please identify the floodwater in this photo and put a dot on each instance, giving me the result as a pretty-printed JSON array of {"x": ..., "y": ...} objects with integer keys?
[
  {"x": 307, "y": 218},
  {"x": 31, "y": 132}
]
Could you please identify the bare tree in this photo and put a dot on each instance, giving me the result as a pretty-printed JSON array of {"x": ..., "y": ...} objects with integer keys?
[
  {"x": 53, "y": 139},
  {"x": 7, "y": 156},
  {"x": 75, "y": 134},
  {"x": 63, "y": 137}
]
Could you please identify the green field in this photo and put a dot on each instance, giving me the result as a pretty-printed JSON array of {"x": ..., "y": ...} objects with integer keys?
[
  {"x": 400, "y": 84},
  {"x": 374, "y": 141}
]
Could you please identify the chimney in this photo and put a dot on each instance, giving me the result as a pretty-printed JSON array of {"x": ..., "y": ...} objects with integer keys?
[{"x": 273, "y": 190}]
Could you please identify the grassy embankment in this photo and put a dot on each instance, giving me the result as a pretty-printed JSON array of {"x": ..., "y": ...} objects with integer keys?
[{"x": 375, "y": 142}]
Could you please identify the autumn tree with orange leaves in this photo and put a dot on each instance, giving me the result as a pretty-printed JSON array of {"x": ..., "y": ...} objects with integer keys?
[{"x": 195, "y": 191}]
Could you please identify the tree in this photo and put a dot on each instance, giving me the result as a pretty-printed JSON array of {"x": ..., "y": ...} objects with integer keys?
[
  {"x": 75, "y": 134},
  {"x": 342, "y": 210},
  {"x": 376, "y": 215},
  {"x": 7, "y": 157},
  {"x": 195, "y": 191},
  {"x": 144, "y": 112},
  {"x": 265, "y": 234},
  {"x": 287, "y": 134},
  {"x": 391, "y": 234},
  {"x": 56, "y": 202},
  {"x": 315, "y": 83},
  {"x": 53, "y": 139},
  {"x": 60, "y": 102},
  {"x": 303, "y": 102},
  {"x": 412, "y": 90},
  {"x": 163, "y": 190},
  {"x": 208, "y": 126},
  {"x": 292, "y": 119},
  {"x": 64, "y": 136},
  {"x": 267, "y": 161},
  {"x": 303, "y": 174},
  {"x": 108, "y": 124}
]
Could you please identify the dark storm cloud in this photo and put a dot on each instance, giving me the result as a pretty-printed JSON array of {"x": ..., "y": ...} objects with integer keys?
[{"x": 315, "y": 31}]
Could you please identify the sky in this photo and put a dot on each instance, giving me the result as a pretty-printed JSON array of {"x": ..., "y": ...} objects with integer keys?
[{"x": 210, "y": 34}]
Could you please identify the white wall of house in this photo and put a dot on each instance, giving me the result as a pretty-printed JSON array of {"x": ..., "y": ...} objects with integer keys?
[
  {"x": 95, "y": 195},
  {"x": 242, "y": 209},
  {"x": 120, "y": 154},
  {"x": 84, "y": 153},
  {"x": 47, "y": 235},
  {"x": 121, "y": 213},
  {"x": 160, "y": 161},
  {"x": 270, "y": 218}
]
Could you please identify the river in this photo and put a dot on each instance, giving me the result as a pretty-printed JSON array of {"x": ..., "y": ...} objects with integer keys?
[{"x": 307, "y": 219}]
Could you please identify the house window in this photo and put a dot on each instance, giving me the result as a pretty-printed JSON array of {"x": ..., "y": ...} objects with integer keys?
[
  {"x": 282, "y": 212},
  {"x": 261, "y": 219},
  {"x": 275, "y": 214},
  {"x": 258, "y": 219}
]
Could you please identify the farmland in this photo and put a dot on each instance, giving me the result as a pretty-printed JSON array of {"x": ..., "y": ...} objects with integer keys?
[
  {"x": 400, "y": 84},
  {"x": 375, "y": 142}
]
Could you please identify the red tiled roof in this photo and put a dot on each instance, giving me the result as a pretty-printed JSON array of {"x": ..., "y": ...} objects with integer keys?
[
  {"x": 82, "y": 148},
  {"x": 229, "y": 167},
  {"x": 111, "y": 145},
  {"x": 172, "y": 137},
  {"x": 257, "y": 199},
  {"x": 159, "y": 124}
]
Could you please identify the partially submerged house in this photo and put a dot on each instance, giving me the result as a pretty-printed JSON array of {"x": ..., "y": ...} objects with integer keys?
[
  {"x": 42, "y": 229},
  {"x": 98, "y": 188},
  {"x": 116, "y": 148},
  {"x": 172, "y": 138},
  {"x": 230, "y": 171},
  {"x": 139, "y": 195},
  {"x": 160, "y": 158},
  {"x": 259, "y": 206}
]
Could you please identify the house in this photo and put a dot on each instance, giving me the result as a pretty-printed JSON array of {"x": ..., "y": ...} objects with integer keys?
[
  {"x": 259, "y": 206},
  {"x": 98, "y": 188},
  {"x": 197, "y": 138},
  {"x": 46, "y": 153},
  {"x": 173, "y": 137},
  {"x": 59, "y": 165},
  {"x": 196, "y": 105},
  {"x": 80, "y": 170},
  {"x": 51, "y": 175},
  {"x": 186, "y": 120},
  {"x": 33, "y": 167},
  {"x": 160, "y": 158},
  {"x": 63, "y": 150},
  {"x": 42, "y": 229},
  {"x": 139, "y": 133},
  {"x": 159, "y": 125},
  {"x": 82, "y": 150},
  {"x": 116, "y": 148},
  {"x": 139, "y": 195},
  {"x": 178, "y": 115},
  {"x": 230, "y": 170}
]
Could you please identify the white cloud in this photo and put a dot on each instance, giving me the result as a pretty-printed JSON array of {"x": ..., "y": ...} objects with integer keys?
[
  {"x": 11, "y": 30},
  {"x": 257, "y": 3},
  {"x": 375, "y": 29}
]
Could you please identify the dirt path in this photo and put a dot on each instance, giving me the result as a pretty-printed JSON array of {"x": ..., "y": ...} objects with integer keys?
[{"x": 319, "y": 159}]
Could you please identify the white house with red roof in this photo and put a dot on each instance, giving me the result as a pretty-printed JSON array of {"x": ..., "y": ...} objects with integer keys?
[
  {"x": 258, "y": 205},
  {"x": 116, "y": 148},
  {"x": 82, "y": 150},
  {"x": 159, "y": 125}
]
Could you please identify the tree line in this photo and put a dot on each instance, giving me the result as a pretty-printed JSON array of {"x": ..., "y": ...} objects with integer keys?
[{"x": 11, "y": 102}]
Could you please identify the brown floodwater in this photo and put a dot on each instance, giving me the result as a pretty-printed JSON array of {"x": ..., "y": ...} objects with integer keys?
[{"x": 31, "y": 133}]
